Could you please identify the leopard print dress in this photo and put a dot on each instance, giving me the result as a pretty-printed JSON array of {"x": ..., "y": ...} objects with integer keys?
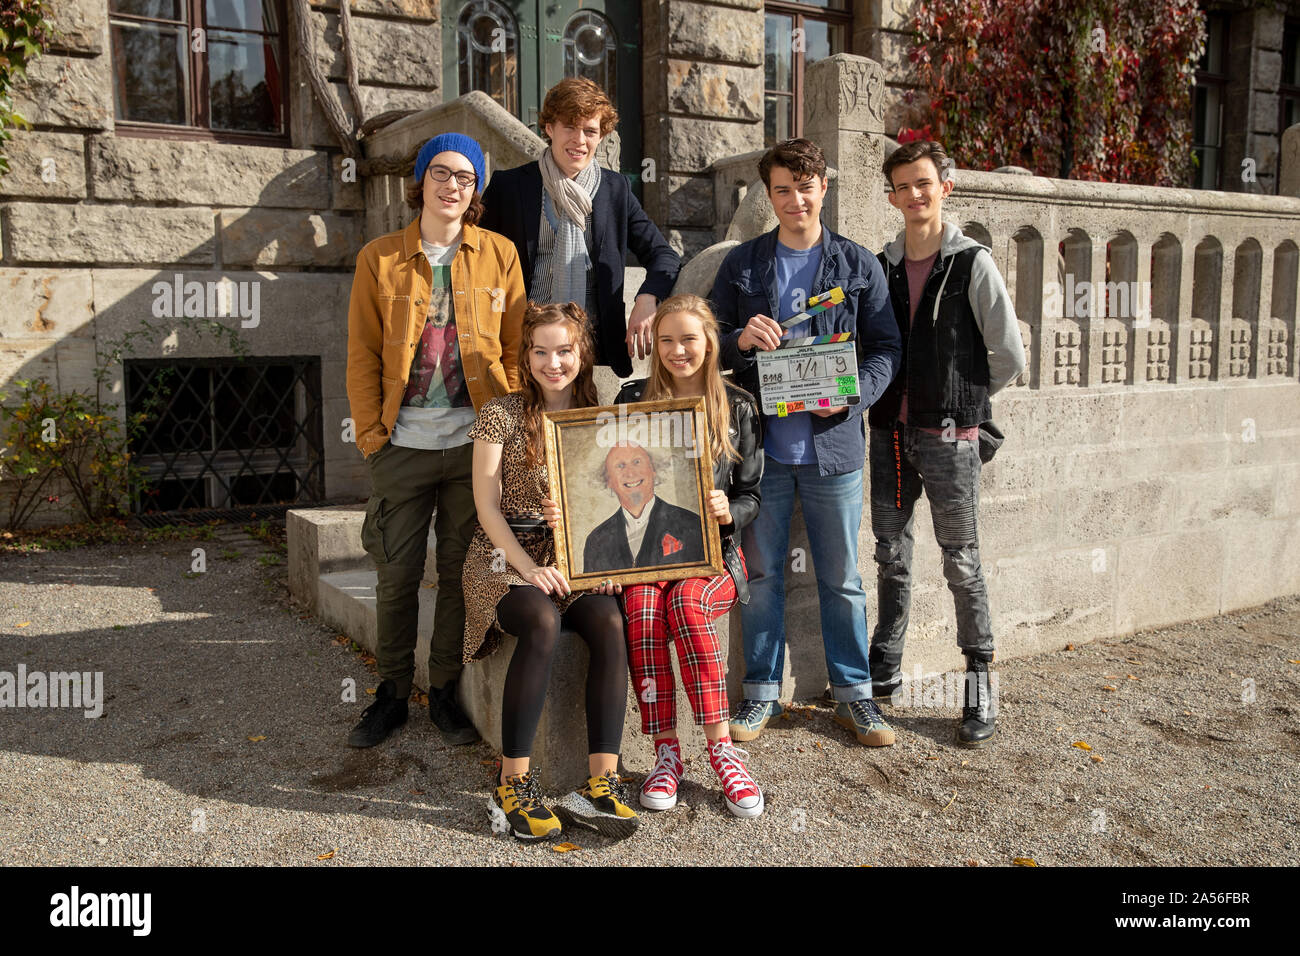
[{"x": 500, "y": 421}]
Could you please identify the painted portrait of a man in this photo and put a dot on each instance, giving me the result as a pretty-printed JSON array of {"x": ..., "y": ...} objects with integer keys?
[{"x": 646, "y": 530}]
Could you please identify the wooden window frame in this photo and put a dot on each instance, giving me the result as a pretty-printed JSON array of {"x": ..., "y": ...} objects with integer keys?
[
  {"x": 799, "y": 12},
  {"x": 199, "y": 101},
  {"x": 1219, "y": 80}
]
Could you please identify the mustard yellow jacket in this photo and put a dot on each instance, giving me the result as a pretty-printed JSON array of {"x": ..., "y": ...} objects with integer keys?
[{"x": 387, "y": 312}]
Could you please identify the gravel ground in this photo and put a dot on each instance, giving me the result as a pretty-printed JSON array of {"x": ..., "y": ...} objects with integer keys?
[{"x": 222, "y": 742}]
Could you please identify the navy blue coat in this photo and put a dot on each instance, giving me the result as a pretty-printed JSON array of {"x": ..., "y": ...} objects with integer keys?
[
  {"x": 513, "y": 201},
  {"x": 746, "y": 286}
]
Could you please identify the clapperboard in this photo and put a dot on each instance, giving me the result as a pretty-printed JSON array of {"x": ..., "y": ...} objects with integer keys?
[{"x": 820, "y": 371}]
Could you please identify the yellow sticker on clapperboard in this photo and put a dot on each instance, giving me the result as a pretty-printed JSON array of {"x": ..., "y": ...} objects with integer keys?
[{"x": 780, "y": 410}]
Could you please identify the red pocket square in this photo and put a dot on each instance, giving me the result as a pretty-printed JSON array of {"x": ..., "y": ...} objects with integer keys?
[{"x": 671, "y": 545}]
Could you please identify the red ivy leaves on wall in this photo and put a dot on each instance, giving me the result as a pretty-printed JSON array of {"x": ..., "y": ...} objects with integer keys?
[{"x": 1081, "y": 89}]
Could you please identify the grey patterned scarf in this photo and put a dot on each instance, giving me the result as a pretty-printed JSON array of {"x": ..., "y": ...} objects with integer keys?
[{"x": 566, "y": 212}]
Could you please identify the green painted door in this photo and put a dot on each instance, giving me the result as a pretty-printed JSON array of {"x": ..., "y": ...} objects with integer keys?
[{"x": 516, "y": 50}]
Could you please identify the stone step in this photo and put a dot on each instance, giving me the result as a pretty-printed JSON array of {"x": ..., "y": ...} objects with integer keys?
[{"x": 347, "y": 602}]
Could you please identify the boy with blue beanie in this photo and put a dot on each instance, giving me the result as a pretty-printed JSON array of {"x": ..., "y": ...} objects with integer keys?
[{"x": 433, "y": 332}]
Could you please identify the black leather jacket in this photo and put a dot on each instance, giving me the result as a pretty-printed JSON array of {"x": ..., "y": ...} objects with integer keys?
[{"x": 739, "y": 479}]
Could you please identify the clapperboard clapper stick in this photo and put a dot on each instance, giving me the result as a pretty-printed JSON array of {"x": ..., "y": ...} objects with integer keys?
[
  {"x": 819, "y": 371},
  {"x": 818, "y": 303}
]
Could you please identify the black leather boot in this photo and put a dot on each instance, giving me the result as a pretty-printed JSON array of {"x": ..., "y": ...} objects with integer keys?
[
  {"x": 448, "y": 717},
  {"x": 380, "y": 719},
  {"x": 980, "y": 710}
]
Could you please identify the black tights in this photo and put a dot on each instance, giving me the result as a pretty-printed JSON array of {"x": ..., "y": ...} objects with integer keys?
[{"x": 533, "y": 618}]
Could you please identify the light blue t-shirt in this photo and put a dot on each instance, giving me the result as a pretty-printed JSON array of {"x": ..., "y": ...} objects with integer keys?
[{"x": 790, "y": 440}]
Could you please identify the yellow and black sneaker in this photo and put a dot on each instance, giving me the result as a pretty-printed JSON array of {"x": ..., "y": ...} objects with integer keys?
[
  {"x": 516, "y": 808},
  {"x": 602, "y": 805}
]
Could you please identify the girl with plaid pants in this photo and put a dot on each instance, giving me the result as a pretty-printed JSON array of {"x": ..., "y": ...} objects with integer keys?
[{"x": 684, "y": 363}]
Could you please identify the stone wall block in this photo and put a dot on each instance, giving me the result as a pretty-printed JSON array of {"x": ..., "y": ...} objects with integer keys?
[
  {"x": 52, "y": 303},
  {"x": 387, "y": 51},
  {"x": 67, "y": 91},
  {"x": 82, "y": 25},
  {"x": 45, "y": 166},
  {"x": 690, "y": 201},
  {"x": 348, "y": 192},
  {"x": 700, "y": 32},
  {"x": 154, "y": 170},
  {"x": 298, "y": 313},
  {"x": 85, "y": 234},
  {"x": 707, "y": 89},
  {"x": 273, "y": 237},
  {"x": 693, "y": 144},
  {"x": 409, "y": 9},
  {"x": 1165, "y": 578}
]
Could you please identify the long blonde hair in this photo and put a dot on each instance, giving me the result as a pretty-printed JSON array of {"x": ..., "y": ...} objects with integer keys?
[
  {"x": 717, "y": 409},
  {"x": 584, "y": 386}
]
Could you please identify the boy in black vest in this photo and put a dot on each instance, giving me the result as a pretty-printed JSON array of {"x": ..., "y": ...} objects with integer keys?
[{"x": 961, "y": 343}]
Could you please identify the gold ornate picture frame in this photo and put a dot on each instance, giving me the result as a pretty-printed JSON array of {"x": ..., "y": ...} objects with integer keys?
[{"x": 633, "y": 476}]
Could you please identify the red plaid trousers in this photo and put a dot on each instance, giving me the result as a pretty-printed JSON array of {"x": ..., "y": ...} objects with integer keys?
[{"x": 683, "y": 611}]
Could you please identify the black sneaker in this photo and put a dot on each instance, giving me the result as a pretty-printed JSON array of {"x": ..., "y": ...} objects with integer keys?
[
  {"x": 448, "y": 717},
  {"x": 380, "y": 719},
  {"x": 979, "y": 714}
]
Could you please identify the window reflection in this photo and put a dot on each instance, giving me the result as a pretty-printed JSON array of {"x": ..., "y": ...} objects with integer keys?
[
  {"x": 487, "y": 44},
  {"x": 590, "y": 50}
]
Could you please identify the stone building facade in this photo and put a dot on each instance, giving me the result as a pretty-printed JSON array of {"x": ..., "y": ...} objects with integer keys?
[{"x": 101, "y": 209}]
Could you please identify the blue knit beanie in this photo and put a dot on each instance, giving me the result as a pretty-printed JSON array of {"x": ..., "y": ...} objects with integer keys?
[{"x": 457, "y": 143}]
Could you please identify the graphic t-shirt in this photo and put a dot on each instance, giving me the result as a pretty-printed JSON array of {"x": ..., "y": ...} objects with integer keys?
[
  {"x": 790, "y": 440},
  {"x": 436, "y": 409}
]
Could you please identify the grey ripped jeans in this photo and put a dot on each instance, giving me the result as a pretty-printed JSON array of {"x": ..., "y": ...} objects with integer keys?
[{"x": 902, "y": 463}]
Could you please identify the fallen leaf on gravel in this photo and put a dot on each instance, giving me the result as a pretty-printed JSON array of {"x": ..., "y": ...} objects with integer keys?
[
  {"x": 949, "y": 803},
  {"x": 1069, "y": 647},
  {"x": 418, "y": 793},
  {"x": 24, "y": 623},
  {"x": 487, "y": 763},
  {"x": 1096, "y": 758},
  {"x": 1110, "y": 676},
  {"x": 258, "y": 739},
  {"x": 800, "y": 749},
  {"x": 1207, "y": 786},
  {"x": 931, "y": 758},
  {"x": 1109, "y": 687},
  {"x": 817, "y": 744},
  {"x": 1131, "y": 660},
  {"x": 1059, "y": 729},
  {"x": 1293, "y": 662},
  {"x": 1187, "y": 713},
  {"x": 972, "y": 862},
  {"x": 564, "y": 847},
  {"x": 327, "y": 856},
  {"x": 1134, "y": 677},
  {"x": 371, "y": 691},
  {"x": 785, "y": 715},
  {"x": 1081, "y": 745},
  {"x": 965, "y": 762},
  {"x": 1024, "y": 861}
]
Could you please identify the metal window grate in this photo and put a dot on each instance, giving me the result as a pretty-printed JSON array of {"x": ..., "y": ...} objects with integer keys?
[{"x": 227, "y": 433}]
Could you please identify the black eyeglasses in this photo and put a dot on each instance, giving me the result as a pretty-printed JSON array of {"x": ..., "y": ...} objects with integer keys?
[{"x": 440, "y": 174}]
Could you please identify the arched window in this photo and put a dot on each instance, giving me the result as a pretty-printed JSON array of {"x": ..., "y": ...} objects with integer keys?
[
  {"x": 487, "y": 44},
  {"x": 590, "y": 50}
]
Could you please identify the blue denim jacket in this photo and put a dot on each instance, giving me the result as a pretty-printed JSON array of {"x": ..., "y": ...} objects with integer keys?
[{"x": 746, "y": 286}]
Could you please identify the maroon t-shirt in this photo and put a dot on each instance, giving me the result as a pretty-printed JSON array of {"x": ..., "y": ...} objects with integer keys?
[{"x": 917, "y": 272}]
